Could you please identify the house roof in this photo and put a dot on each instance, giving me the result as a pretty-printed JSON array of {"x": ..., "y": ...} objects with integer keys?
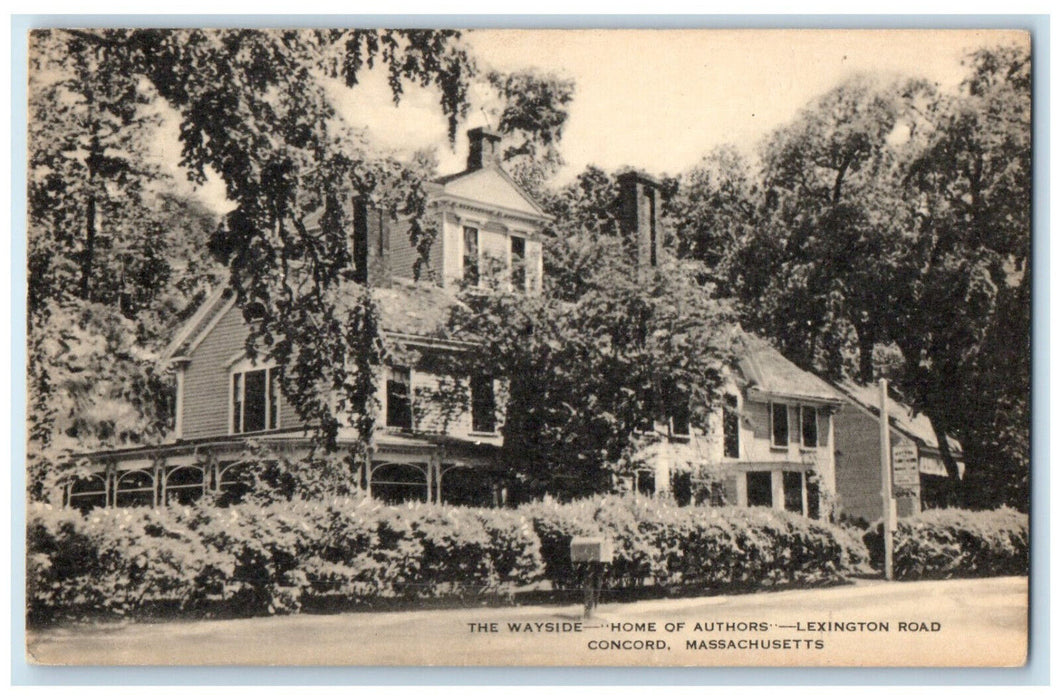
[
  {"x": 771, "y": 373},
  {"x": 417, "y": 309},
  {"x": 412, "y": 308},
  {"x": 902, "y": 417}
]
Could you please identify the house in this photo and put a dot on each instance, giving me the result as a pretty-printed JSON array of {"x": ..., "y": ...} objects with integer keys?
[
  {"x": 771, "y": 444},
  {"x": 858, "y": 458},
  {"x": 486, "y": 224}
]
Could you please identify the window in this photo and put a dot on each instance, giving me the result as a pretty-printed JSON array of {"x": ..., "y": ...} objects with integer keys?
[
  {"x": 813, "y": 498},
  {"x": 779, "y": 424},
  {"x": 399, "y": 402},
  {"x": 730, "y": 428},
  {"x": 809, "y": 425},
  {"x": 793, "y": 482},
  {"x": 645, "y": 482},
  {"x": 471, "y": 255},
  {"x": 679, "y": 420},
  {"x": 255, "y": 404},
  {"x": 483, "y": 406},
  {"x": 760, "y": 489},
  {"x": 679, "y": 413},
  {"x": 518, "y": 263}
]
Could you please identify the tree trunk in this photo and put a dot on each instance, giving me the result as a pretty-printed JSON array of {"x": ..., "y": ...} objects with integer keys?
[
  {"x": 867, "y": 339},
  {"x": 89, "y": 251},
  {"x": 948, "y": 460}
]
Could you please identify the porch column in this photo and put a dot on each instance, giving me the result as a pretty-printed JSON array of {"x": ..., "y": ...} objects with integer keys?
[{"x": 434, "y": 467}]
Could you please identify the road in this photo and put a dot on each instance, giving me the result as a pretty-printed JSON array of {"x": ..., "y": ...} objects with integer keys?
[{"x": 952, "y": 623}]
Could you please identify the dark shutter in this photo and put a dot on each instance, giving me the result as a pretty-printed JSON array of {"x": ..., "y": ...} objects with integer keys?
[{"x": 731, "y": 428}]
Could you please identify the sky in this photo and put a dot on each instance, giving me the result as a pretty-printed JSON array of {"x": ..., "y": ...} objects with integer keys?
[{"x": 659, "y": 100}]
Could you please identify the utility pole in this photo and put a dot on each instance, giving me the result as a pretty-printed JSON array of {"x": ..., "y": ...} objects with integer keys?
[{"x": 886, "y": 480}]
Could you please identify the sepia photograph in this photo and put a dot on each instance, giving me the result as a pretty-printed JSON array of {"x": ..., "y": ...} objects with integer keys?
[{"x": 528, "y": 347}]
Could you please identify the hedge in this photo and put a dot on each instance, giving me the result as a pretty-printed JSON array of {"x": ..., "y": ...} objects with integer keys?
[
  {"x": 950, "y": 543},
  {"x": 334, "y": 554},
  {"x": 661, "y": 544},
  {"x": 254, "y": 559}
]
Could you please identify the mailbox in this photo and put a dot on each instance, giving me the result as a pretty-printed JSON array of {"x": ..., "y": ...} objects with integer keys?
[{"x": 592, "y": 549}]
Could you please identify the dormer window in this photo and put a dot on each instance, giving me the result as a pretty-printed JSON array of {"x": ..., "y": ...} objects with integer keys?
[{"x": 471, "y": 256}]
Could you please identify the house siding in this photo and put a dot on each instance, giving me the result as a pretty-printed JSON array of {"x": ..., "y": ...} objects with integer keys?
[
  {"x": 206, "y": 378},
  {"x": 858, "y": 482},
  {"x": 403, "y": 255}
]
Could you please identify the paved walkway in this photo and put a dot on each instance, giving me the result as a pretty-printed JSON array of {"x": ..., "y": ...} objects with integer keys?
[{"x": 953, "y": 623}]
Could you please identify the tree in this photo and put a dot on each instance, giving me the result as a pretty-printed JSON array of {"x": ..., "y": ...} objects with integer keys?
[
  {"x": 894, "y": 220},
  {"x": 819, "y": 264},
  {"x": 587, "y": 371},
  {"x": 714, "y": 212},
  {"x": 971, "y": 192},
  {"x": 252, "y": 108},
  {"x": 531, "y": 116},
  {"x": 113, "y": 256}
]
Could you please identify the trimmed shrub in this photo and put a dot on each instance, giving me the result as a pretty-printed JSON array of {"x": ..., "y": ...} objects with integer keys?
[
  {"x": 659, "y": 543},
  {"x": 275, "y": 558},
  {"x": 950, "y": 542}
]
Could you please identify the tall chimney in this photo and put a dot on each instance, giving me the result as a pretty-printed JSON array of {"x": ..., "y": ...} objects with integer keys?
[
  {"x": 370, "y": 247},
  {"x": 484, "y": 148},
  {"x": 639, "y": 216}
]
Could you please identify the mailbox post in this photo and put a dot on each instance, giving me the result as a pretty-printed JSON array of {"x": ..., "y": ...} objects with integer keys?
[{"x": 591, "y": 555}]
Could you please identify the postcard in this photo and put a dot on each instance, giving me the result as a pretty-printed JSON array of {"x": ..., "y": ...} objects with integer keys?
[{"x": 528, "y": 347}]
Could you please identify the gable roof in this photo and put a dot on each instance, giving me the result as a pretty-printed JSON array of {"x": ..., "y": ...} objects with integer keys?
[
  {"x": 917, "y": 426},
  {"x": 770, "y": 373},
  {"x": 491, "y": 186}
]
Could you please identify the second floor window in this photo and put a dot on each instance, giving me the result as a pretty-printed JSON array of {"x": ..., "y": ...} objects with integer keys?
[
  {"x": 399, "y": 398},
  {"x": 471, "y": 255},
  {"x": 255, "y": 404},
  {"x": 483, "y": 405},
  {"x": 730, "y": 428},
  {"x": 518, "y": 263},
  {"x": 809, "y": 425},
  {"x": 779, "y": 424}
]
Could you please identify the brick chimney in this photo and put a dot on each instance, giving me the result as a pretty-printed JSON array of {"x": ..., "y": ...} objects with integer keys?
[
  {"x": 484, "y": 148},
  {"x": 371, "y": 244},
  {"x": 639, "y": 216}
]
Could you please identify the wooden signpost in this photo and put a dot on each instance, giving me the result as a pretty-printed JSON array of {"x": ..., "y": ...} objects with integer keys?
[{"x": 886, "y": 481}]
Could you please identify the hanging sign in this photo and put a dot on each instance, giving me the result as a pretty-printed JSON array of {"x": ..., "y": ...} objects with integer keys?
[{"x": 905, "y": 473}]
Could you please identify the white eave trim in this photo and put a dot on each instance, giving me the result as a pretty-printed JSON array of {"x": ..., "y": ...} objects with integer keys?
[
  {"x": 756, "y": 394},
  {"x": 492, "y": 209},
  {"x": 192, "y": 323}
]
